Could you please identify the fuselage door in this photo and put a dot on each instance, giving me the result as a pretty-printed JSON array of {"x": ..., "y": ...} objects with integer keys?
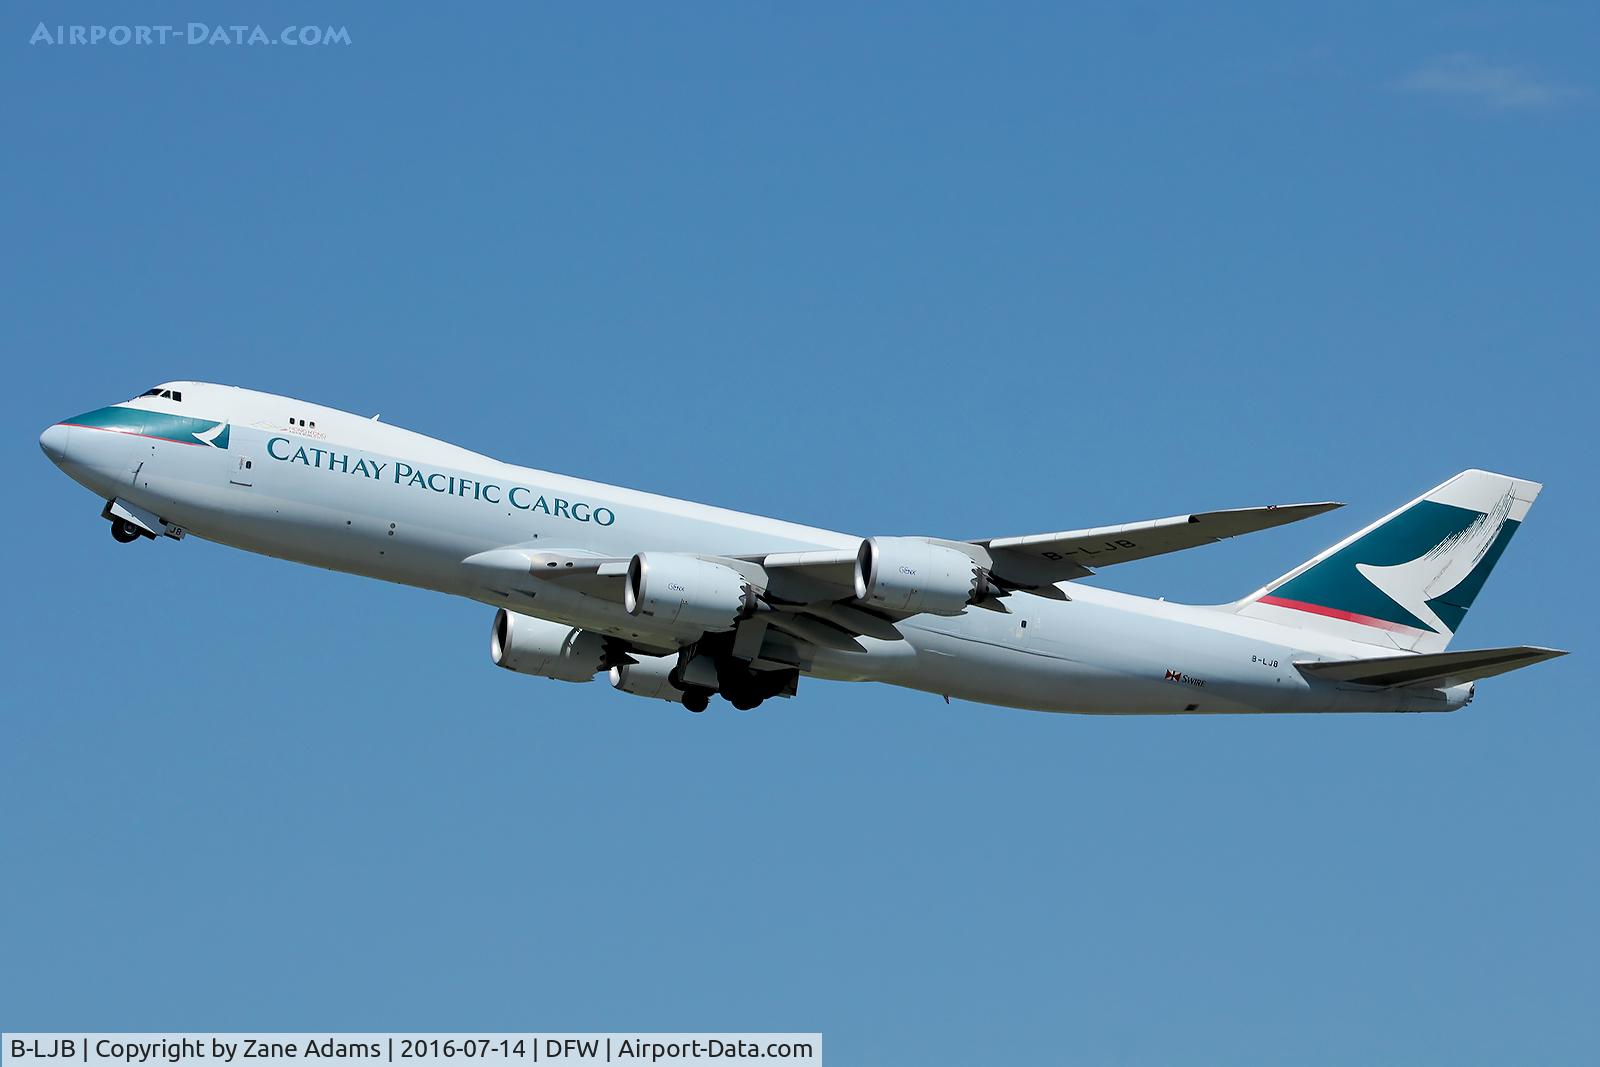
[{"x": 242, "y": 471}]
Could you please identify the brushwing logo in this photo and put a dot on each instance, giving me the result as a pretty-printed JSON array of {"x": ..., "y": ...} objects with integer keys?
[
  {"x": 1435, "y": 573},
  {"x": 216, "y": 437}
]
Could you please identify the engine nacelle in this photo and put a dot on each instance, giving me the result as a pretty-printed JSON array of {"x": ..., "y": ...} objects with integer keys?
[
  {"x": 530, "y": 645},
  {"x": 649, "y": 677},
  {"x": 686, "y": 593},
  {"x": 906, "y": 574}
]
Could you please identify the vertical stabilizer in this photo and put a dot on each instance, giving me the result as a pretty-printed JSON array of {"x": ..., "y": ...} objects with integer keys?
[{"x": 1406, "y": 581}]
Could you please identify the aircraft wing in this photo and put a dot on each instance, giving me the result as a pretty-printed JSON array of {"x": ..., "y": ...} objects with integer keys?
[
  {"x": 808, "y": 593},
  {"x": 811, "y": 595},
  {"x": 1071, "y": 554}
]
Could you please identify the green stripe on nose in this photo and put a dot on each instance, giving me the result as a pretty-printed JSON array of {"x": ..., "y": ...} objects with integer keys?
[{"x": 181, "y": 429}]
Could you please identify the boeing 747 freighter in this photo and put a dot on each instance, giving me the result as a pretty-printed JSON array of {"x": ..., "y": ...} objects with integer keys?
[{"x": 682, "y": 602}]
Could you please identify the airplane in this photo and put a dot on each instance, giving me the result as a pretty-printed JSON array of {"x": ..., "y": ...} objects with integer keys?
[{"x": 681, "y": 601}]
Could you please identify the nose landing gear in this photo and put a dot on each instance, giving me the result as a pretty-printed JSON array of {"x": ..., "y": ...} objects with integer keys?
[
  {"x": 129, "y": 522},
  {"x": 125, "y": 532}
]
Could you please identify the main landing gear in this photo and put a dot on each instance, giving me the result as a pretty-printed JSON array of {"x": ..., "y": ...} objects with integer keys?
[
  {"x": 697, "y": 700},
  {"x": 704, "y": 673},
  {"x": 125, "y": 532}
]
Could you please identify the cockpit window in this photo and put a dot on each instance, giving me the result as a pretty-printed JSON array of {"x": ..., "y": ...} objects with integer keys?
[
  {"x": 151, "y": 392},
  {"x": 167, "y": 394}
]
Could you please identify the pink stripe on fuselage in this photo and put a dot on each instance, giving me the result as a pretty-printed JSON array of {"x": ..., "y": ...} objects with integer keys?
[{"x": 1335, "y": 613}]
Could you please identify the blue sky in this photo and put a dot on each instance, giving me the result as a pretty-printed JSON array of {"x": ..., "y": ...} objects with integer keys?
[{"x": 923, "y": 270}]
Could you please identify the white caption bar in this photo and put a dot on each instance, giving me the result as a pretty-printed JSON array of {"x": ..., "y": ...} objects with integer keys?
[{"x": 407, "y": 1050}]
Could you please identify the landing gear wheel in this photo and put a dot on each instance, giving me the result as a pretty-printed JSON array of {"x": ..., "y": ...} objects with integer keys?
[
  {"x": 124, "y": 531},
  {"x": 745, "y": 703},
  {"x": 697, "y": 700}
]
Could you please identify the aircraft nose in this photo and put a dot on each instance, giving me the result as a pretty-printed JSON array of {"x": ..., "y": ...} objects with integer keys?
[{"x": 54, "y": 442}]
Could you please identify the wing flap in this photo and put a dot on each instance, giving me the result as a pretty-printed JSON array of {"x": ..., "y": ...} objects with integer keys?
[
  {"x": 856, "y": 620},
  {"x": 1431, "y": 670},
  {"x": 814, "y": 631}
]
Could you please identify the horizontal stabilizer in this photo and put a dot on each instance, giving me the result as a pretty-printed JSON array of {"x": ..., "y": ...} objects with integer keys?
[{"x": 1431, "y": 670}]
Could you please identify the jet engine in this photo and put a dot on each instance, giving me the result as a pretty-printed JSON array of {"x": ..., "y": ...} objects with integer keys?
[
  {"x": 530, "y": 645},
  {"x": 686, "y": 593},
  {"x": 907, "y": 574},
  {"x": 649, "y": 677}
]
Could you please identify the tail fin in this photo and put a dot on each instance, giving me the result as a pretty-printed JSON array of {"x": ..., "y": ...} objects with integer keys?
[{"x": 1407, "y": 580}]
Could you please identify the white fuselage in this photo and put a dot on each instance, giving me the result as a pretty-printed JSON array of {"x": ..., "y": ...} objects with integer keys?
[{"x": 312, "y": 484}]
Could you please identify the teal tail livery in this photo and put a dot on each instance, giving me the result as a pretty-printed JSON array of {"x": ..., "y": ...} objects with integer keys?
[
  {"x": 682, "y": 602},
  {"x": 1406, "y": 581}
]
